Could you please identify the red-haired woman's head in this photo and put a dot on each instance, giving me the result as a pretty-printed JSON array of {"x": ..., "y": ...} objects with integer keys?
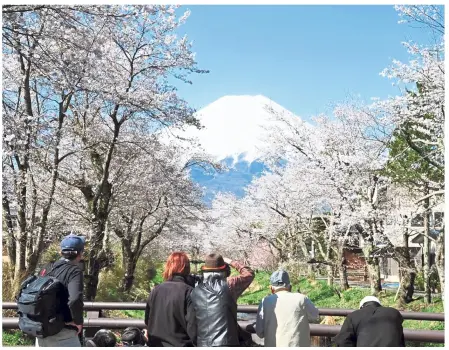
[{"x": 177, "y": 264}]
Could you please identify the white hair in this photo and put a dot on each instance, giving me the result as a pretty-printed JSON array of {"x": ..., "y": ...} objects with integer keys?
[
  {"x": 221, "y": 274},
  {"x": 368, "y": 299},
  {"x": 284, "y": 286}
]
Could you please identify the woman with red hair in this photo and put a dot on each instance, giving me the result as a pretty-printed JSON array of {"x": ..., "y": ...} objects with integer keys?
[{"x": 169, "y": 313}]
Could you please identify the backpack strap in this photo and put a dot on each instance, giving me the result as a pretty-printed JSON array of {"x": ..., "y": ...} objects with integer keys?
[
  {"x": 52, "y": 267},
  {"x": 90, "y": 343},
  {"x": 44, "y": 270}
]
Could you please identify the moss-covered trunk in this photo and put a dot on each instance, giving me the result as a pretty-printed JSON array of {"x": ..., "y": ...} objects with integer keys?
[
  {"x": 439, "y": 260},
  {"x": 344, "y": 284},
  {"x": 407, "y": 271},
  {"x": 373, "y": 269}
]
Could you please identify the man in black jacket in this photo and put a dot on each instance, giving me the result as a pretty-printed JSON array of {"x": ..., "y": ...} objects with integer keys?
[
  {"x": 68, "y": 272},
  {"x": 214, "y": 305},
  {"x": 372, "y": 325}
]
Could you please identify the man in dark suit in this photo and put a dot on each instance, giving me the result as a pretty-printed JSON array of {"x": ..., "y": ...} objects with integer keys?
[{"x": 372, "y": 325}]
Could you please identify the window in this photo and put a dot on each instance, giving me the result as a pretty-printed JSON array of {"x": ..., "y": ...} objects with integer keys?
[
  {"x": 438, "y": 218},
  {"x": 418, "y": 220}
]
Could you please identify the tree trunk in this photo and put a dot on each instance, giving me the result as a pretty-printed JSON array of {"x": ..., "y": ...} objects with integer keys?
[
  {"x": 439, "y": 260},
  {"x": 407, "y": 284},
  {"x": 21, "y": 183},
  {"x": 131, "y": 255},
  {"x": 10, "y": 239},
  {"x": 330, "y": 267},
  {"x": 128, "y": 264},
  {"x": 407, "y": 271},
  {"x": 94, "y": 259},
  {"x": 38, "y": 245},
  {"x": 373, "y": 269},
  {"x": 91, "y": 281},
  {"x": 427, "y": 248},
  {"x": 21, "y": 242},
  {"x": 344, "y": 284},
  {"x": 20, "y": 267},
  {"x": 306, "y": 255},
  {"x": 128, "y": 278},
  {"x": 330, "y": 275}
]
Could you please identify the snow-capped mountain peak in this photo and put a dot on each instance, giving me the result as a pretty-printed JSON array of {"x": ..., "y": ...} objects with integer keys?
[{"x": 236, "y": 126}]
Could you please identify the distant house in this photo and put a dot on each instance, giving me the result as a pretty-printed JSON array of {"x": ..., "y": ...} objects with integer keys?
[{"x": 390, "y": 268}]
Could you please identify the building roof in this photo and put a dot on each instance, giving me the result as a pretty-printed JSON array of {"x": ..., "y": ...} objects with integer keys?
[{"x": 419, "y": 238}]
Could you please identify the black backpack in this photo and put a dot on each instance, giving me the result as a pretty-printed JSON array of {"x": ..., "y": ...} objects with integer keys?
[
  {"x": 132, "y": 337},
  {"x": 38, "y": 305}
]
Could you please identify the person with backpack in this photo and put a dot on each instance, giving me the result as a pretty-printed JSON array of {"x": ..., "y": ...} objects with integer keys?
[
  {"x": 215, "y": 306},
  {"x": 50, "y": 305}
]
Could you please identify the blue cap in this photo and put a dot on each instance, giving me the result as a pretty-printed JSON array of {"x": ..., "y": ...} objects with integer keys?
[
  {"x": 280, "y": 278},
  {"x": 72, "y": 243}
]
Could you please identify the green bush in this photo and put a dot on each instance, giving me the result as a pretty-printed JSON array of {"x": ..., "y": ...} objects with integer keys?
[
  {"x": 16, "y": 338},
  {"x": 419, "y": 281},
  {"x": 7, "y": 286},
  {"x": 145, "y": 278},
  {"x": 434, "y": 280},
  {"x": 52, "y": 253}
]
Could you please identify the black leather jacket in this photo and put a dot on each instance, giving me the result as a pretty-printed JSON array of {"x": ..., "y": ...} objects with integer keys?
[{"x": 216, "y": 313}]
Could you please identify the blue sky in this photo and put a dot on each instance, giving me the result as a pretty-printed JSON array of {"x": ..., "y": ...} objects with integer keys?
[{"x": 303, "y": 57}]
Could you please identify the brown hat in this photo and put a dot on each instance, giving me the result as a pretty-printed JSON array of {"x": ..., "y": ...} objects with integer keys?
[{"x": 213, "y": 262}]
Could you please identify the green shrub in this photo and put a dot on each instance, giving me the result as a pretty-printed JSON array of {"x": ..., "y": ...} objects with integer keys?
[
  {"x": 434, "y": 280},
  {"x": 16, "y": 338},
  {"x": 52, "y": 253},
  {"x": 7, "y": 286},
  {"x": 419, "y": 281},
  {"x": 146, "y": 276}
]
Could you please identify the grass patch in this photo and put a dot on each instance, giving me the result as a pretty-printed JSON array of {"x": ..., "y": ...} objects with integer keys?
[
  {"x": 328, "y": 297},
  {"x": 16, "y": 338}
]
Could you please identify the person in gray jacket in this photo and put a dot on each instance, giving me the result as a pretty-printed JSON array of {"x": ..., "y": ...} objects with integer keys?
[{"x": 283, "y": 317}]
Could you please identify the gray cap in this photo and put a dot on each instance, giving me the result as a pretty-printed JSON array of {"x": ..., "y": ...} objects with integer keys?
[{"x": 279, "y": 278}]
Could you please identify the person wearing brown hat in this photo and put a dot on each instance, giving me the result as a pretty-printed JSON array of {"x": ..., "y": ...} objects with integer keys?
[
  {"x": 215, "y": 302},
  {"x": 237, "y": 284}
]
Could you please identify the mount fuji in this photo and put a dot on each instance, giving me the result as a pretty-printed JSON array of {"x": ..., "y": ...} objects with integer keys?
[{"x": 234, "y": 132}]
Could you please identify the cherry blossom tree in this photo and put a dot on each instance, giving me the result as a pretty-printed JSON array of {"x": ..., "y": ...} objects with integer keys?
[
  {"x": 35, "y": 111},
  {"x": 156, "y": 194},
  {"x": 105, "y": 71},
  {"x": 418, "y": 115}
]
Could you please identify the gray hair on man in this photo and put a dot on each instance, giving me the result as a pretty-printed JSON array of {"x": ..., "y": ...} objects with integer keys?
[
  {"x": 220, "y": 274},
  {"x": 278, "y": 288}
]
